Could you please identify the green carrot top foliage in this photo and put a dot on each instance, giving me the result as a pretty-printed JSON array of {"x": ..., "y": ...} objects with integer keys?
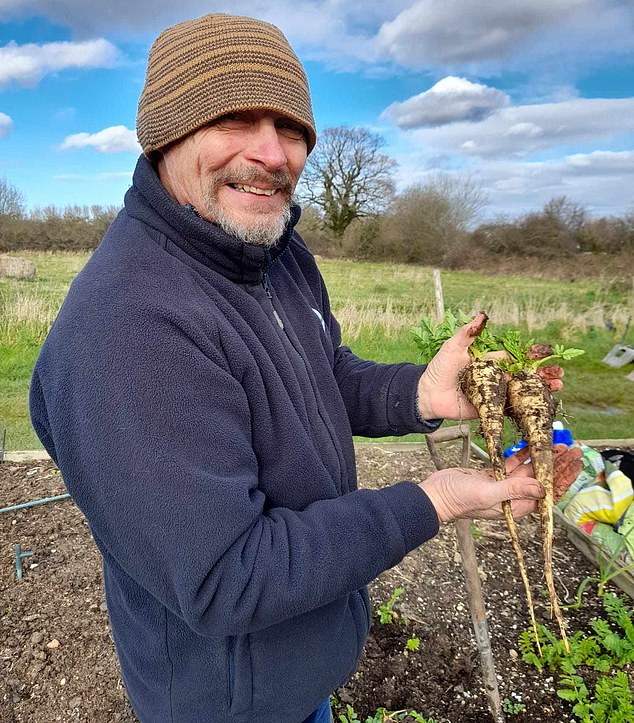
[
  {"x": 431, "y": 336},
  {"x": 521, "y": 357},
  {"x": 520, "y": 352}
]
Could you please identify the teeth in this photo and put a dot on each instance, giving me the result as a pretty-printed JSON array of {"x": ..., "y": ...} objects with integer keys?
[{"x": 253, "y": 189}]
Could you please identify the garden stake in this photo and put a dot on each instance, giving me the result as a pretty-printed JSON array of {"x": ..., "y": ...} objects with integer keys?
[
  {"x": 465, "y": 543},
  {"x": 22, "y": 505},
  {"x": 20, "y": 554},
  {"x": 470, "y": 569},
  {"x": 4, "y": 440}
]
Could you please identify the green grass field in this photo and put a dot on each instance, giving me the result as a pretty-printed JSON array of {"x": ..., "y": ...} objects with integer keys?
[{"x": 378, "y": 305}]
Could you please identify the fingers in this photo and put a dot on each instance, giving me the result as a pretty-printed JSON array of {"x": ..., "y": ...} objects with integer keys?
[
  {"x": 567, "y": 464},
  {"x": 540, "y": 351},
  {"x": 521, "y": 485},
  {"x": 552, "y": 375},
  {"x": 457, "y": 494},
  {"x": 515, "y": 460}
]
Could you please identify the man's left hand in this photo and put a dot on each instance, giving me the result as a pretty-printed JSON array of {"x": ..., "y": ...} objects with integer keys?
[{"x": 439, "y": 393}]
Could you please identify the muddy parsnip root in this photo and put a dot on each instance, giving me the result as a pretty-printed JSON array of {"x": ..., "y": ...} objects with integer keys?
[
  {"x": 484, "y": 384},
  {"x": 532, "y": 408}
]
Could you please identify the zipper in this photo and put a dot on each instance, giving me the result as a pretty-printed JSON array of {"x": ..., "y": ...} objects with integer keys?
[
  {"x": 230, "y": 672},
  {"x": 269, "y": 296},
  {"x": 267, "y": 289}
]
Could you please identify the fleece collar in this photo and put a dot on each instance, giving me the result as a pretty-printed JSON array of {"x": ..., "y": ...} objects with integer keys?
[{"x": 148, "y": 201}]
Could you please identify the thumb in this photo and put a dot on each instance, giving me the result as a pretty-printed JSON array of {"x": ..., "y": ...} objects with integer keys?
[
  {"x": 521, "y": 486},
  {"x": 467, "y": 333}
]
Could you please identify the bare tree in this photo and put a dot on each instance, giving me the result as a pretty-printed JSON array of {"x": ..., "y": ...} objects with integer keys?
[
  {"x": 428, "y": 222},
  {"x": 347, "y": 177},
  {"x": 11, "y": 200}
]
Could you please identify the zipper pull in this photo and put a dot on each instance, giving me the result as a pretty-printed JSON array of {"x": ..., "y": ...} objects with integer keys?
[{"x": 267, "y": 291}]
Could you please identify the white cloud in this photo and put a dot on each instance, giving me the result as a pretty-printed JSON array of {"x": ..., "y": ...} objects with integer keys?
[
  {"x": 28, "y": 64},
  {"x": 116, "y": 139},
  {"x": 525, "y": 129},
  {"x": 347, "y": 35},
  {"x": 462, "y": 31},
  {"x": 601, "y": 181},
  {"x": 450, "y": 100},
  {"x": 5, "y": 125}
]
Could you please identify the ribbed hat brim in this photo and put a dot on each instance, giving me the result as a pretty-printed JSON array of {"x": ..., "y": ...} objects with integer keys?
[{"x": 201, "y": 69}]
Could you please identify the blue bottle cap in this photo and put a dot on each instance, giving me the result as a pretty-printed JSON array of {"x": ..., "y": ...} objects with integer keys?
[
  {"x": 515, "y": 448},
  {"x": 562, "y": 436}
]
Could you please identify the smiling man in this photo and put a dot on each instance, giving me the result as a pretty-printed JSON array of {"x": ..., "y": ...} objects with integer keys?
[
  {"x": 239, "y": 172},
  {"x": 198, "y": 401}
]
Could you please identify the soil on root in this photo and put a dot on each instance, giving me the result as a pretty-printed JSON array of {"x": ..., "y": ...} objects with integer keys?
[{"x": 57, "y": 661}]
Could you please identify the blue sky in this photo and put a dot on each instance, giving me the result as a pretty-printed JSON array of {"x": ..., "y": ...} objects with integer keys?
[{"x": 531, "y": 99}]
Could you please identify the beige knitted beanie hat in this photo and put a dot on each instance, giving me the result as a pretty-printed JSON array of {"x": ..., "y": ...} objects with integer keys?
[{"x": 201, "y": 69}]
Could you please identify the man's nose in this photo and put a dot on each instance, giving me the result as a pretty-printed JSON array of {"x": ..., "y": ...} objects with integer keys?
[{"x": 265, "y": 146}]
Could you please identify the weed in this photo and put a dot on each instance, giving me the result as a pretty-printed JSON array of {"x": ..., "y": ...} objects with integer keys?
[
  {"x": 382, "y": 715},
  {"x": 412, "y": 645},
  {"x": 513, "y": 707},
  {"x": 386, "y": 612},
  {"x": 609, "y": 645}
]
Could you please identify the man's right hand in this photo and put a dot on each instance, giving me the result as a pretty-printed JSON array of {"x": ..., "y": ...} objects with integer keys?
[
  {"x": 473, "y": 494},
  {"x": 469, "y": 493}
]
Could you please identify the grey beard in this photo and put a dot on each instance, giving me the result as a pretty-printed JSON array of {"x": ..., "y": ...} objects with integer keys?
[
  {"x": 266, "y": 232},
  {"x": 263, "y": 232}
]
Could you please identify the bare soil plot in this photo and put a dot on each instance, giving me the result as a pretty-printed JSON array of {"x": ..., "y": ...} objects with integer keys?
[{"x": 57, "y": 662}]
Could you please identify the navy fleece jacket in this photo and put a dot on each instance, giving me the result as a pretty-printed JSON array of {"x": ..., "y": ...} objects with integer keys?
[{"x": 196, "y": 397}]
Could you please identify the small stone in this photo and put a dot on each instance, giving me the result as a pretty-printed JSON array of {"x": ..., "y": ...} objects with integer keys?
[
  {"x": 514, "y": 654},
  {"x": 53, "y": 644},
  {"x": 36, "y": 637},
  {"x": 104, "y": 607},
  {"x": 75, "y": 702},
  {"x": 62, "y": 681}
]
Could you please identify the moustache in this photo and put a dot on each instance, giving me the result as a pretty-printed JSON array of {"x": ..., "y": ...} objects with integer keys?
[{"x": 254, "y": 177}]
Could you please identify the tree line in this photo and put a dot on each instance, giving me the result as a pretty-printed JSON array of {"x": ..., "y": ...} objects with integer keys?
[{"x": 351, "y": 209}]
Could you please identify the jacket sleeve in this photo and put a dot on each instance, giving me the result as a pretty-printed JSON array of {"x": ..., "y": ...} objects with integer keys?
[
  {"x": 153, "y": 436},
  {"x": 381, "y": 399}
]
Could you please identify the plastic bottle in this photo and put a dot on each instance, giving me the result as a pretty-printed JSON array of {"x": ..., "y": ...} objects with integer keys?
[{"x": 561, "y": 435}]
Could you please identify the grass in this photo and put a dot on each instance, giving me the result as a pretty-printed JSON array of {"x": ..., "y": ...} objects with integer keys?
[{"x": 377, "y": 305}]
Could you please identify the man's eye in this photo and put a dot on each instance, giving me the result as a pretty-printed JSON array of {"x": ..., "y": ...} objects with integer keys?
[
  {"x": 291, "y": 130},
  {"x": 231, "y": 120}
]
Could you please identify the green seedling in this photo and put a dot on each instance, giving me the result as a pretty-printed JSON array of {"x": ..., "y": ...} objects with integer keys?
[
  {"x": 386, "y": 612},
  {"x": 412, "y": 645},
  {"x": 587, "y": 679},
  {"x": 513, "y": 707}
]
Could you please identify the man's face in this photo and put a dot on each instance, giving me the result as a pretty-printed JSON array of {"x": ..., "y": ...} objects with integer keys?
[{"x": 239, "y": 172}]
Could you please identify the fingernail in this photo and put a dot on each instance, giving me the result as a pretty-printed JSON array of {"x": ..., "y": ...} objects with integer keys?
[{"x": 528, "y": 461}]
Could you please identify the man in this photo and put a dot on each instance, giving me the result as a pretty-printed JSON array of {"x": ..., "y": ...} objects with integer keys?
[{"x": 196, "y": 396}]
